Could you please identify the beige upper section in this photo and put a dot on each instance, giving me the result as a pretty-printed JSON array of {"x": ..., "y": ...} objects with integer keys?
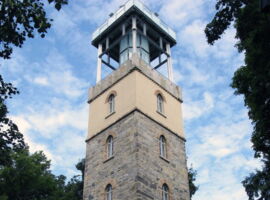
[{"x": 136, "y": 87}]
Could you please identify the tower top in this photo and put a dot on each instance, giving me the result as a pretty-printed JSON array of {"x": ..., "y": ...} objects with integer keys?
[
  {"x": 134, "y": 29},
  {"x": 126, "y": 11}
]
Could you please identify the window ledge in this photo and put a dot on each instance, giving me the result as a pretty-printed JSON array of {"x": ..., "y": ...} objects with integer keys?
[
  {"x": 164, "y": 159},
  {"x": 161, "y": 114},
  {"x": 110, "y": 158},
  {"x": 109, "y": 115}
]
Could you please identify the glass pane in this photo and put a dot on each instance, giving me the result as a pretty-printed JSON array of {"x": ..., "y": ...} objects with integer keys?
[
  {"x": 165, "y": 192},
  {"x": 145, "y": 56},
  {"x": 123, "y": 43},
  {"x": 130, "y": 50},
  {"x": 160, "y": 106},
  {"x": 110, "y": 196},
  {"x": 164, "y": 196},
  {"x": 138, "y": 42},
  {"x": 162, "y": 144},
  {"x": 111, "y": 103},
  {"x": 161, "y": 149},
  {"x": 144, "y": 44},
  {"x": 129, "y": 39},
  {"x": 109, "y": 192},
  {"x": 164, "y": 150},
  {"x": 124, "y": 56},
  {"x": 160, "y": 103},
  {"x": 111, "y": 107},
  {"x": 111, "y": 147}
]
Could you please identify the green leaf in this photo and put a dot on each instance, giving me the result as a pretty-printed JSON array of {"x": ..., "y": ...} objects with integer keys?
[{"x": 58, "y": 6}]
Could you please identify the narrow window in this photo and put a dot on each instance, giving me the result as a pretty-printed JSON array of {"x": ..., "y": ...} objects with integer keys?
[
  {"x": 162, "y": 144},
  {"x": 110, "y": 146},
  {"x": 165, "y": 192},
  {"x": 111, "y": 103},
  {"x": 159, "y": 103},
  {"x": 109, "y": 192}
]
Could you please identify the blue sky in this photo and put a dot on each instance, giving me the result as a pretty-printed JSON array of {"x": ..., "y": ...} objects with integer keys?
[{"x": 54, "y": 74}]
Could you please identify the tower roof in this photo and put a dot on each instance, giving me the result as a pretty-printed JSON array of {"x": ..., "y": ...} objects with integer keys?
[{"x": 124, "y": 12}]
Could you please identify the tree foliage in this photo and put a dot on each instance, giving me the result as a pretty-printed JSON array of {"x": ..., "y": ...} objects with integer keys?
[
  {"x": 10, "y": 137},
  {"x": 29, "y": 177},
  {"x": 257, "y": 185},
  {"x": 21, "y": 19},
  {"x": 74, "y": 188},
  {"x": 251, "y": 80},
  {"x": 191, "y": 179}
]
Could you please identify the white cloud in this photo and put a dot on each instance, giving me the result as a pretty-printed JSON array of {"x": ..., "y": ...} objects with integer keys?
[
  {"x": 178, "y": 13},
  {"x": 67, "y": 31},
  {"x": 23, "y": 124},
  {"x": 196, "y": 75},
  {"x": 12, "y": 64},
  {"x": 194, "y": 109},
  {"x": 177, "y": 76},
  {"x": 223, "y": 138},
  {"x": 218, "y": 154},
  {"x": 64, "y": 130},
  {"x": 193, "y": 38},
  {"x": 56, "y": 73},
  {"x": 62, "y": 23},
  {"x": 65, "y": 82},
  {"x": 225, "y": 48},
  {"x": 41, "y": 80},
  {"x": 68, "y": 148},
  {"x": 24, "y": 128},
  {"x": 49, "y": 120}
]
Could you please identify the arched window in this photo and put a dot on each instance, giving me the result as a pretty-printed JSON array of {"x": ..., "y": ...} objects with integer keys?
[
  {"x": 165, "y": 192},
  {"x": 111, "y": 101},
  {"x": 110, "y": 146},
  {"x": 160, "y": 103},
  {"x": 109, "y": 192},
  {"x": 162, "y": 145}
]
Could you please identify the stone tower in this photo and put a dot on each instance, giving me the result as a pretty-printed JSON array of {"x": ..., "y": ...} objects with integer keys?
[{"x": 135, "y": 144}]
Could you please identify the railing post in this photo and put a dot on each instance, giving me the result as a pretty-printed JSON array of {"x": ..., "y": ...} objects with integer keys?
[
  {"x": 134, "y": 34},
  {"x": 161, "y": 46},
  {"x": 107, "y": 47},
  {"x": 144, "y": 29},
  {"x": 99, "y": 63},
  {"x": 169, "y": 62},
  {"x": 124, "y": 29}
]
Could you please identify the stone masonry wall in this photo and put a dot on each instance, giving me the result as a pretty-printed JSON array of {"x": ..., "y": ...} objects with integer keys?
[
  {"x": 154, "y": 171},
  {"x": 118, "y": 171},
  {"x": 136, "y": 172}
]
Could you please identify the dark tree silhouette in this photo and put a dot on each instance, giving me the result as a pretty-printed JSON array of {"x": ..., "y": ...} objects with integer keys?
[{"x": 251, "y": 80}]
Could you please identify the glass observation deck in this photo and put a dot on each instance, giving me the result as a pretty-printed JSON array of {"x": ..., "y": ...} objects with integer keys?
[
  {"x": 123, "y": 10},
  {"x": 134, "y": 29}
]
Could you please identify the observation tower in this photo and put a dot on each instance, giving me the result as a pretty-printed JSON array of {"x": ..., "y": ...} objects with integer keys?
[{"x": 135, "y": 142}]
